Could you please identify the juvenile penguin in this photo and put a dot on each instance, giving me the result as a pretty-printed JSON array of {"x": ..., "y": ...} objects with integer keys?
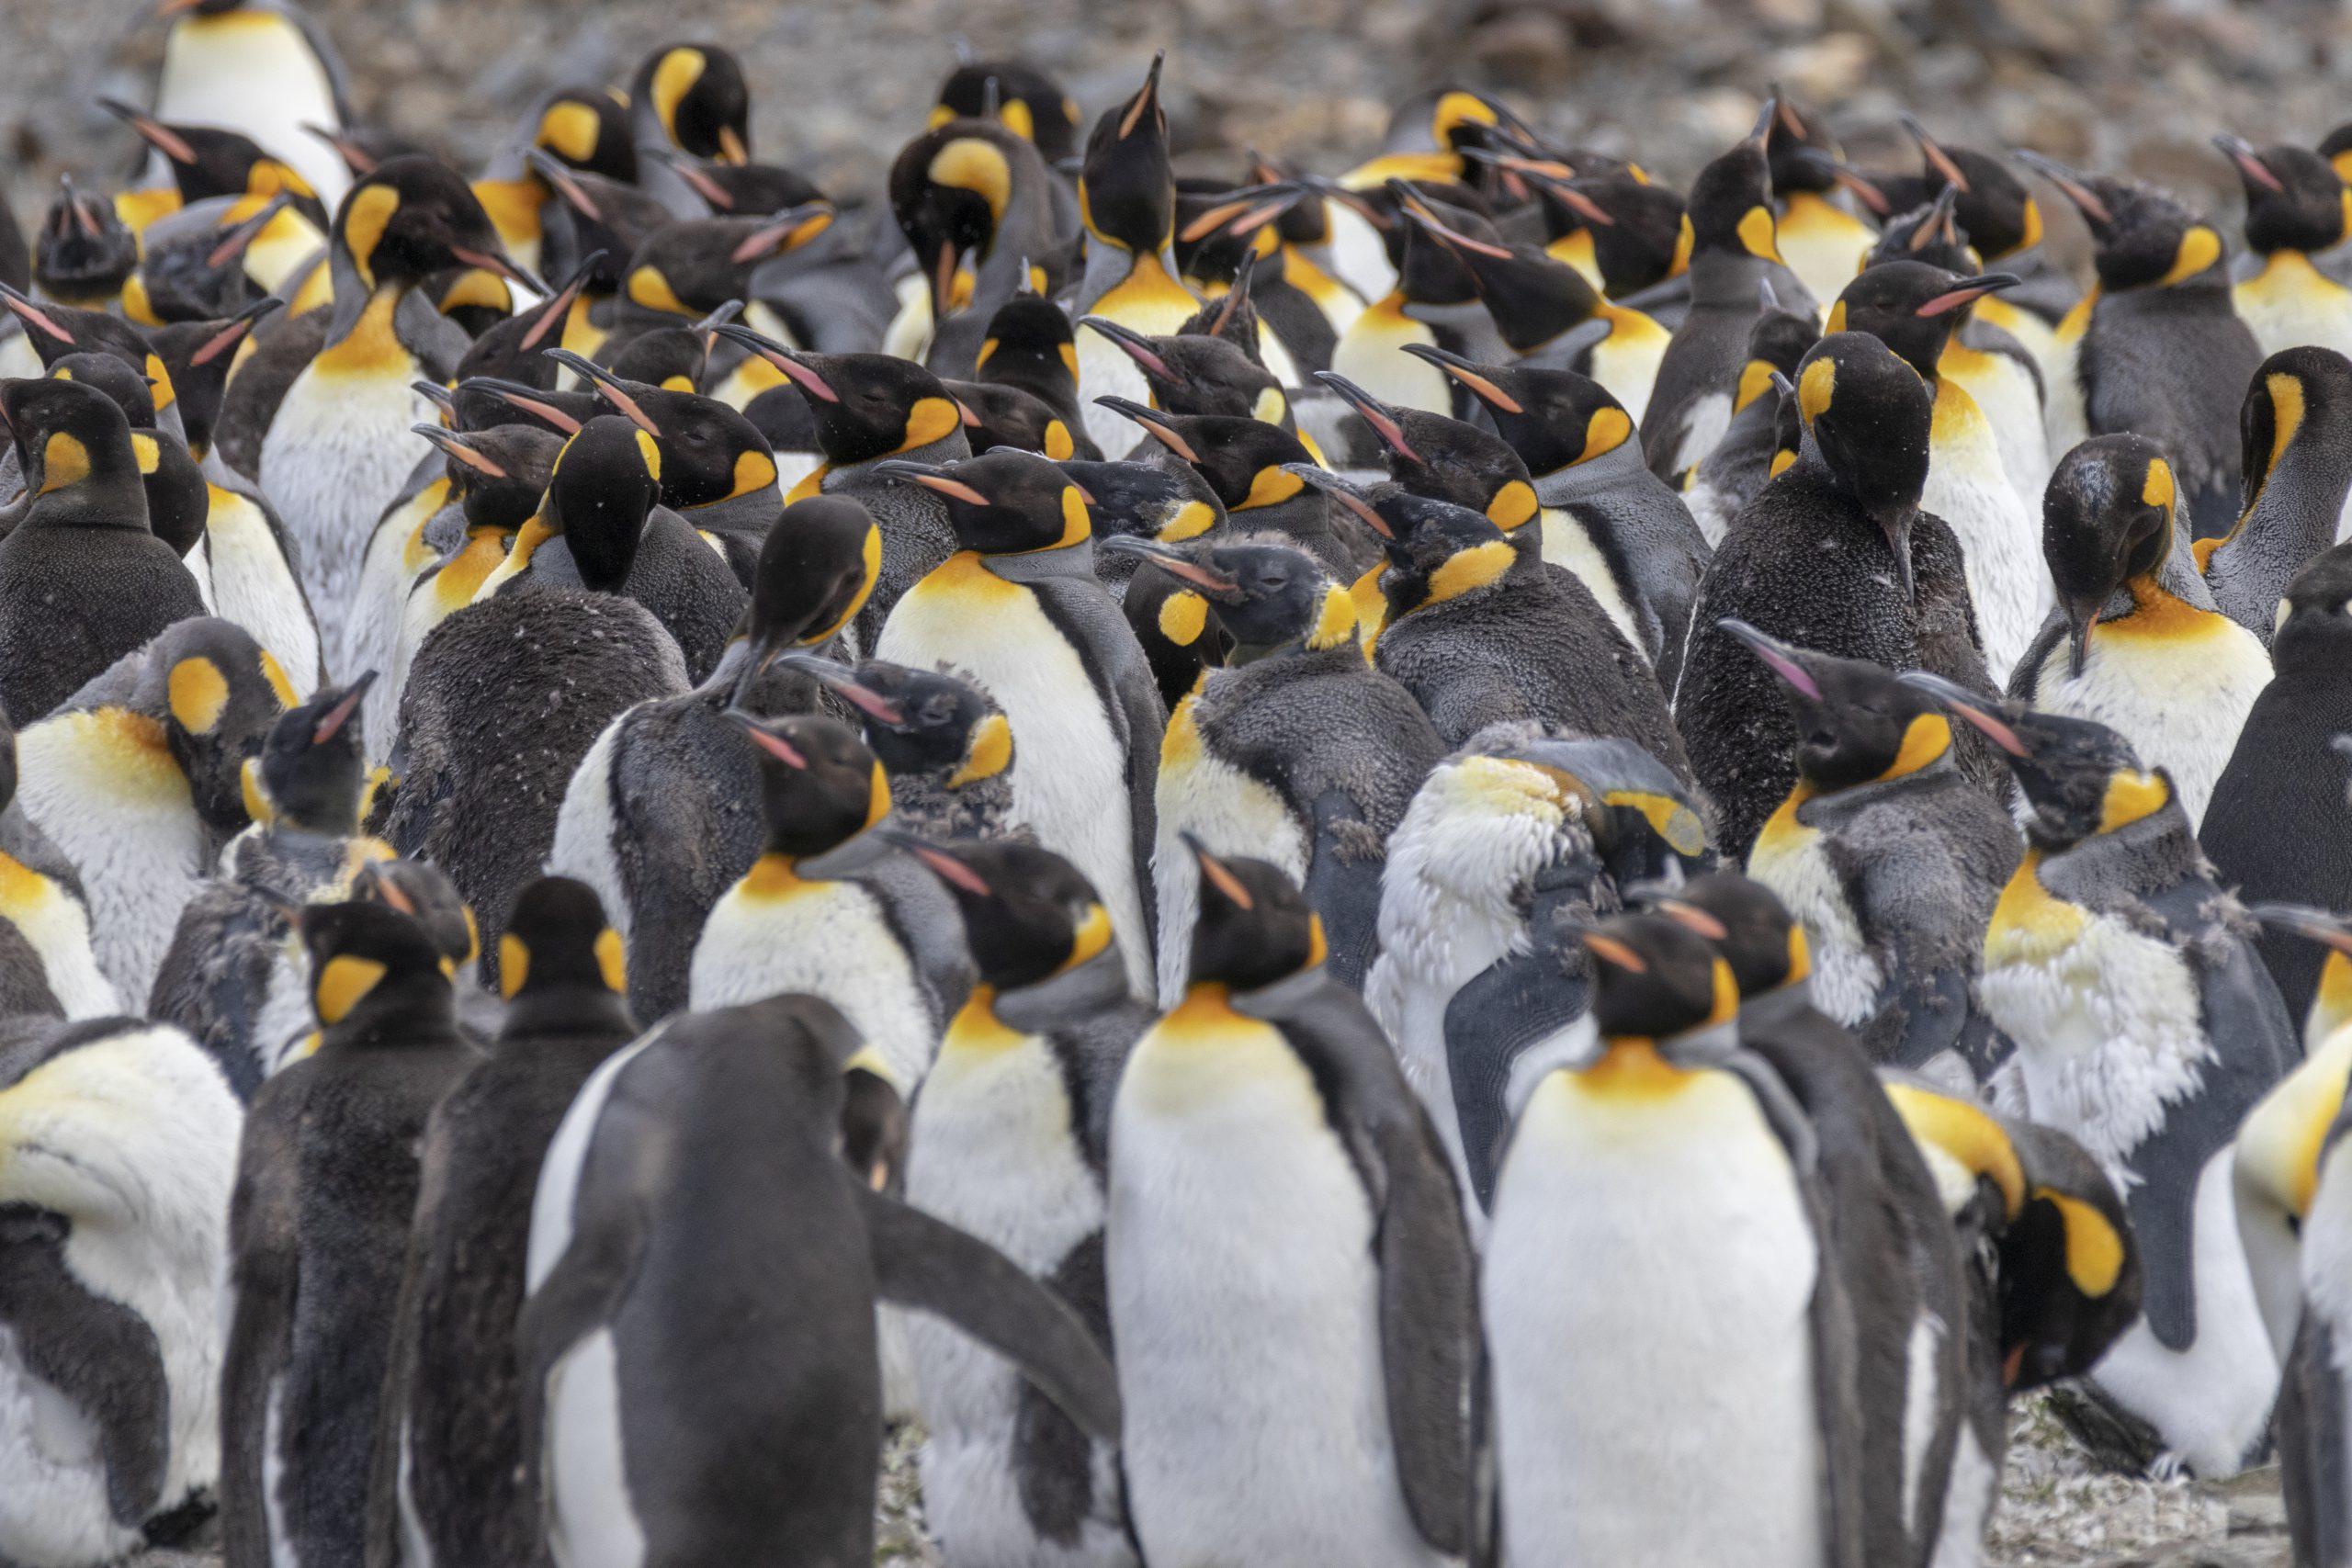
[
  {"x": 84, "y": 580},
  {"x": 318, "y": 1229},
  {"x": 1295, "y": 752},
  {"x": 1834, "y": 554},
  {"x": 1889, "y": 857},
  {"x": 1666, "y": 1127},
  {"x": 2136, "y": 643},
  {"x": 1018, "y": 611},
  {"x": 2294, "y": 429},
  {"x": 451, "y": 1478},
  {"x": 2145, "y": 1027},
  {"x": 1270, "y": 1166},
  {"x": 117, "y": 1151},
  {"x": 1009, "y": 1142},
  {"x": 2294, "y": 210}
]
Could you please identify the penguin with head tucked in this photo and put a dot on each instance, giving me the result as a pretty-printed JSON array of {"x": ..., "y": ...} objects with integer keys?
[
  {"x": 1264, "y": 1118},
  {"x": 1018, "y": 611},
  {"x": 578, "y": 127},
  {"x": 669, "y": 1407},
  {"x": 2295, "y": 207},
  {"x": 117, "y": 1151},
  {"x": 1019, "y": 94},
  {"x": 2294, "y": 428},
  {"x": 263, "y": 67},
  {"x": 2136, "y": 643},
  {"x": 982, "y": 211},
  {"x": 1765, "y": 430},
  {"x": 327, "y": 1180},
  {"x": 451, "y": 1479},
  {"x": 1834, "y": 554},
  {"x": 690, "y": 98},
  {"x": 945, "y": 747},
  {"x": 2145, "y": 1027},
  {"x": 1030, "y": 349}
]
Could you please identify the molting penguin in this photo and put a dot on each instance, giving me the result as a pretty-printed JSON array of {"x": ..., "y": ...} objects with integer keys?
[
  {"x": 1891, "y": 858},
  {"x": 1018, "y": 611},
  {"x": 2294, "y": 429},
  {"x": 947, "y": 749},
  {"x": 318, "y": 1230},
  {"x": 2136, "y": 643},
  {"x": 2145, "y": 1027},
  {"x": 1270, "y": 1166},
  {"x": 2295, "y": 207},
  {"x": 117, "y": 1151},
  {"x": 1833, "y": 555}
]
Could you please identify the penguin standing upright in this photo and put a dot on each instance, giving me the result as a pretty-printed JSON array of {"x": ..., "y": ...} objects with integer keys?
[
  {"x": 2297, "y": 425},
  {"x": 1270, "y": 1166},
  {"x": 1666, "y": 1128},
  {"x": 117, "y": 1151},
  {"x": 318, "y": 1229},
  {"x": 2135, "y": 643},
  {"x": 2146, "y": 1028},
  {"x": 2294, "y": 209},
  {"x": 1009, "y": 1142},
  {"x": 263, "y": 67},
  {"x": 450, "y": 1478},
  {"x": 1018, "y": 611},
  {"x": 1765, "y": 430},
  {"x": 1821, "y": 242},
  {"x": 2003, "y": 222}
]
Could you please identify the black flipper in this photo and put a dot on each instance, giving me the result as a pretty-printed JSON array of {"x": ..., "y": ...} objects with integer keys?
[
  {"x": 263, "y": 1252},
  {"x": 582, "y": 1290},
  {"x": 1052, "y": 1461},
  {"x": 1343, "y": 886}
]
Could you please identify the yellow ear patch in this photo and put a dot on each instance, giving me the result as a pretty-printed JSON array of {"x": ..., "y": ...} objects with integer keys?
[
  {"x": 1606, "y": 430},
  {"x": 969, "y": 163},
  {"x": 2032, "y": 226},
  {"x": 673, "y": 80},
  {"x": 1058, "y": 445},
  {"x": 342, "y": 984},
  {"x": 274, "y": 673},
  {"x": 873, "y": 574},
  {"x": 1816, "y": 388},
  {"x": 1182, "y": 617},
  {"x": 2094, "y": 1251},
  {"x": 1800, "y": 956},
  {"x": 1512, "y": 505},
  {"x": 1669, "y": 819},
  {"x": 1270, "y": 487},
  {"x": 1093, "y": 935},
  {"x": 2199, "y": 248},
  {"x": 2129, "y": 797},
  {"x": 366, "y": 214},
  {"x": 1335, "y": 623},
  {"x": 514, "y": 964},
  {"x": 257, "y": 804},
  {"x": 1192, "y": 519},
  {"x": 754, "y": 470},
  {"x": 570, "y": 130},
  {"x": 1017, "y": 119},
  {"x": 63, "y": 461},
  {"x": 1318, "y": 946},
  {"x": 878, "y": 797},
  {"x": 1271, "y": 405},
  {"x": 1755, "y": 381},
  {"x": 932, "y": 419},
  {"x": 1780, "y": 461},
  {"x": 2158, "y": 489},
  {"x": 197, "y": 691},
  {"x": 2286, "y": 406},
  {"x": 652, "y": 453},
  {"x": 612, "y": 961},
  {"x": 992, "y": 752},
  {"x": 1077, "y": 525},
  {"x": 149, "y": 456},
  {"x": 1472, "y": 568},
  {"x": 649, "y": 287},
  {"x": 1756, "y": 234},
  {"x": 1926, "y": 739},
  {"x": 161, "y": 392}
]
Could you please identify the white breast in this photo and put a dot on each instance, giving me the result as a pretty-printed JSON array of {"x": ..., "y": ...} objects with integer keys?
[
  {"x": 2010, "y": 401},
  {"x": 1792, "y": 860},
  {"x": 583, "y": 830},
  {"x": 2000, "y": 538},
  {"x": 1230, "y": 812},
  {"x": 1709, "y": 415},
  {"x": 253, "y": 70},
  {"x": 1646, "y": 1291},
  {"x": 253, "y": 586},
  {"x": 55, "y": 925},
  {"x": 337, "y": 455},
  {"x": 591, "y": 1522},
  {"x": 1567, "y": 543}
]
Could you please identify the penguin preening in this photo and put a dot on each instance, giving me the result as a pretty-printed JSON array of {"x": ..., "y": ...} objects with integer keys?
[{"x": 2293, "y": 429}]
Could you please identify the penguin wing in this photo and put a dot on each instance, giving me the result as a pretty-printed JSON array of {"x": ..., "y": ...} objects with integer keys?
[
  {"x": 265, "y": 1252},
  {"x": 2026, "y": 676},
  {"x": 1921, "y": 923},
  {"x": 582, "y": 1289},
  {"x": 382, "y": 1505},
  {"x": 925, "y": 1264},
  {"x": 1344, "y": 884},
  {"x": 214, "y": 979},
  {"x": 1052, "y": 1457},
  {"x": 2314, "y": 1445}
]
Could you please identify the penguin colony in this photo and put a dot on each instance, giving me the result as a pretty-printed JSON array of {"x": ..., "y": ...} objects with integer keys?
[{"x": 1422, "y": 867}]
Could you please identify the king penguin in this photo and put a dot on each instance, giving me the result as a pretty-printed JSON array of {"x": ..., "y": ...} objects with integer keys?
[
  {"x": 2295, "y": 207},
  {"x": 2296, "y": 426},
  {"x": 48, "y": 966},
  {"x": 1822, "y": 242},
  {"x": 945, "y": 748},
  {"x": 689, "y": 98},
  {"x": 1270, "y": 1166},
  {"x": 263, "y": 67}
]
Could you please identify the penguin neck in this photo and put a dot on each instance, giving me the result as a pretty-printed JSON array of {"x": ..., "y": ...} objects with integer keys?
[
  {"x": 565, "y": 1010},
  {"x": 949, "y": 449},
  {"x": 1783, "y": 1005},
  {"x": 404, "y": 1012},
  {"x": 2295, "y": 511},
  {"x": 1136, "y": 287},
  {"x": 105, "y": 499},
  {"x": 362, "y": 334},
  {"x": 1616, "y": 468}
]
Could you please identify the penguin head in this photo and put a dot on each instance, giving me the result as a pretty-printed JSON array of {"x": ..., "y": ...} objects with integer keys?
[
  {"x": 1799, "y": 149},
  {"x": 1777, "y": 345},
  {"x": 1645, "y": 823},
  {"x": 118, "y": 380},
  {"x": 1029, "y": 916},
  {"x": 819, "y": 785},
  {"x": 218, "y": 693},
  {"x": 2299, "y": 405},
  {"x": 1748, "y": 925},
  {"x": 867, "y": 405},
  {"x": 2107, "y": 520},
  {"x": 671, "y": 358},
  {"x": 1444, "y": 459},
  {"x": 696, "y": 94},
  {"x": 510, "y": 349},
  {"x": 817, "y": 568},
  {"x": 413, "y": 218},
  {"x": 82, "y": 254},
  {"x": 2144, "y": 238},
  {"x": 2079, "y": 778},
  {"x": 480, "y": 402},
  {"x": 689, "y": 269},
  {"x": 1633, "y": 227},
  {"x": 56, "y": 331},
  {"x": 74, "y": 450},
  {"x": 1867, "y": 416},
  {"x": 1003, "y": 502},
  {"x": 372, "y": 971},
  {"x": 605, "y": 482},
  {"x": 1171, "y": 504},
  {"x": 1255, "y": 926},
  {"x": 193, "y": 270},
  {"x": 1017, "y": 96},
  {"x": 1933, "y": 235},
  {"x": 1243, "y": 459},
  {"x": 557, "y": 941},
  {"x": 311, "y": 771},
  {"x": 1531, "y": 297},
  {"x": 196, "y": 357},
  {"x": 1856, "y": 723},
  {"x": 2294, "y": 199},
  {"x": 707, "y": 452},
  {"x": 587, "y": 128},
  {"x": 1265, "y": 594},
  {"x": 1912, "y": 307},
  {"x": 1430, "y": 271},
  {"x": 207, "y": 162},
  {"x": 1990, "y": 205},
  {"x": 1222, "y": 233},
  {"x": 498, "y": 474},
  {"x": 922, "y": 722},
  {"x": 1439, "y": 552},
  {"x": 1729, "y": 207},
  {"x": 423, "y": 893},
  {"x": 1126, "y": 191},
  {"x": 1030, "y": 343},
  {"x": 997, "y": 416},
  {"x": 179, "y": 500},
  {"x": 610, "y": 224},
  {"x": 2331, "y": 1007},
  {"x": 950, "y": 190},
  {"x": 1193, "y": 374},
  {"x": 745, "y": 190},
  {"x": 1551, "y": 419},
  {"x": 2071, "y": 1275},
  {"x": 1655, "y": 979}
]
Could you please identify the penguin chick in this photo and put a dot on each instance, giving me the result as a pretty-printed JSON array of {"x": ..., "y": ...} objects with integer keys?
[
  {"x": 81, "y": 252},
  {"x": 2145, "y": 1027},
  {"x": 946, "y": 748},
  {"x": 2136, "y": 643},
  {"x": 117, "y": 1151},
  {"x": 1888, "y": 855},
  {"x": 2293, "y": 429},
  {"x": 317, "y": 1241}
]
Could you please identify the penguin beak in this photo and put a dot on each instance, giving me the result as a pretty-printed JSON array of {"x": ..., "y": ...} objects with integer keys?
[
  {"x": 229, "y": 335},
  {"x": 1453, "y": 239},
  {"x": 1244, "y": 213},
  {"x": 496, "y": 263},
  {"x": 353, "y": 156},
  {"x": 787, "y": 230},
  {"x": 608, "y": 387},
  {"x": 1377, "y": 414},
  {"x": 1975, "y": 289},
  {"x": 2319, "y": 925},
  {"x": 1177, "y": 564},
  {"x": 730, "y": 147},
  {"x": 1896, "y": 524},
  {"x": 938, "y": 862},
  {"x": 774, "y": 745},
  {"x": 1146, "y": 98},
  {"x": 153, "y": 133},
  {"x": 1138, "y": 347},
  {"x": 234, "y": 243},
  {"x": 1346, "y": 494},
  {"x": 32, "y": 315},
  {"x": 2249, "y": 162},
  {"x": 552, "y": 313},
  {"x": 1959, "y": 699},
  {"x": 687, "y": 169},
  {"x": 1154, "y": 424},
  {"x": 1778, "y": 656},
  {"x": 842, "y": 680},
  {"x": 2070, "y": 185},
  {"x": 1215, "y": 874},
  {"x": 457, "y": 447},
  {"x": 1471, "y": 375},
  {"x": 525, "y": 398},
  {"x": 1935, "y": 156},
  {"x": 1762, "y": 133},
  {"x": 783, "y": 359},
  {"x": 331, "y": 723},
  {"x": 559, "y": 176},
  {"x": 2082, "y": 620},
  {"x": 931, "y": 478}
]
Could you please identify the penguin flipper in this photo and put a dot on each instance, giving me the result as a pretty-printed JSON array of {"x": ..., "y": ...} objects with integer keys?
[
  {"x": 922, "y": 1263},
  {"x": 1052, "y": 1457},
  {"x": 2314, "y": 1445},
  {"x": 264, "y": 1251},
  {"x": 2024, "y": 676},
  {"x": 1343, "y": 885},
  {"x": 580, "y": 1290}
]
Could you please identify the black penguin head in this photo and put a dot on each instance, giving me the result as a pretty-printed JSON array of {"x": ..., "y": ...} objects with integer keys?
[
  {"x": 605, "y": 483},
  {"x": 586, "y": 127},
  {"x": 412, "y": 218},
  {"x": 556, "y": 940},
  {"x": 1645, "y": 824},
  {"x": 74, "y": 450},
  {"x": 1265, "y": 594},
  {"x": 1193, "y": 374},
  {"x": 1171, "y": 504},
  {"x": 1003, "y": 502},
  {"x": 1912, "y": 307},
  {"x": 1439, "y": 551},
  {"x": 1799, "y": 149},
  {"x": 1653, "y": 979},
  {"x": 697, "y": 94},
  {"x": 311, "y": 771},
  {"x": 2315, "y": 617},
  {"x": 2144, "y": 238},
  {"x": 1530, "y": 296},
  {"x": 511, "y": 350},
  {"x": 1030, "y": 344},
  {"x": 118, "y": 380},
  {"x": 1126, "y": 191},
  {"x": 2071, "y": 1274},
  {"x": 924, "y": 723},
  {"x": 1634, "y": 226},
  {"x": 1855, "y": 722},
  {"x": 671, "y": 358},
  {"x": 610, "y": 224},
  {"x": 82, "y": 254},
  {"x": 1244, "y": 460},
  {"x": 219, "y": 693},
  {"x": 689, "y": 269},
  {"x": 179, "y": 500},
  {"x": 2079, "y": 778},
  {"x": 1778, "y": 343},
  {"x": 196, "y": 357},
  {"x": 707, "y": 452},
  {"x": 2107, "y": 520},
  {"x": 867, "y": 405},
  {"x": 1017, "y": 96},
  {"x": 372, "y": 970},
  {"x": 817, "y": 568},
  {"x": 1748, "y": 926},
  {"x": 1992, "y": 205},
  {"x": 56, "y": 331},
  {"x": 499, "y": 474},
  {"x": 1222, "y": 233},
  {"x": 1429, "y": 270},
  {"x": 1553, "y": 418},
  {"x": 819, "y": 786},
  {"x": 1445, "y": 460},
  {"x": 950, "y": 189},
  {"x": 1730, "y": 204},
  {"x": 208, "y": 161},
  {"x": 1029, "y": 916},
  {"x": 426, "y": 894},
  {"x": 2300, "y": 402},
  {"x": 1867, "y": 414},
  {"x": 1255, "y": 926},
  {"x": 746, "y": 191},
  {"x": 2294, "y": 198},
  {"x": 997, "y": 416}
]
